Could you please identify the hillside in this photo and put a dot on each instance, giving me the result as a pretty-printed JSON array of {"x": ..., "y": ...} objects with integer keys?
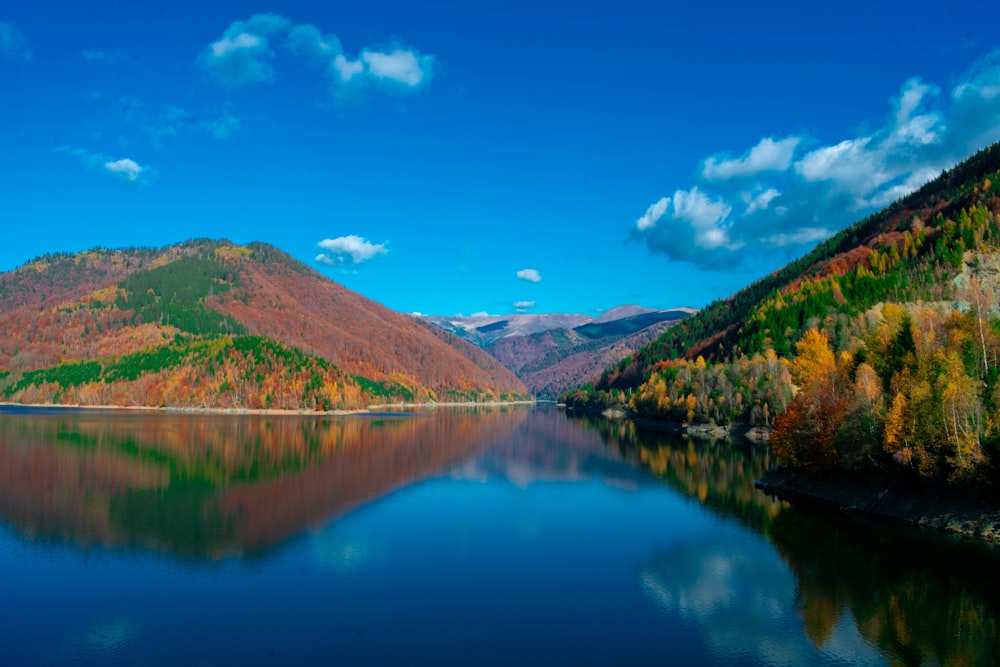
[
  {"x": 878, "y": 349},
  {"x": 213, "y": 324},
  {"x": 553, "y": 361}
]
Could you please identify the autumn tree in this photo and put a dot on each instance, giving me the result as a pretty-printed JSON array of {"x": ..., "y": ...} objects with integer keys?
[{"x": 807, "y": 433}]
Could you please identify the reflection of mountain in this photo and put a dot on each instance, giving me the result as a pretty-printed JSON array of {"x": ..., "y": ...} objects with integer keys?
[
  {"x": 201, "y": 485},
  {"x": 547, "y": 446}
]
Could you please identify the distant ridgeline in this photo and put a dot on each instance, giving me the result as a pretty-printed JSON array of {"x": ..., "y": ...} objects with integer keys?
[
  {"x": 880, "y": 349},
  {"x": 213, "y": 324}
]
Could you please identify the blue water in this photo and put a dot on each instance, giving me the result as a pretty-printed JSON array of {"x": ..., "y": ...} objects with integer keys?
[{"x": 534, "y": 539}]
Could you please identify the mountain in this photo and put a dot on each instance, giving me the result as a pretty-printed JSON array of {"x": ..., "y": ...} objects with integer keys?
[
  {"x": 878, "y": 350},
  {"x": 482, "y": 330},
  {"x": 551, "y": 362},
  {"x": 214, "y": 324},
  {"x": 551, "y": 353}
]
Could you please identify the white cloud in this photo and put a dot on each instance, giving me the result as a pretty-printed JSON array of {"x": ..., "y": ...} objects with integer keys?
[
  {"x": 244, "y": 56},
  {"x": 782, "y": 195},
  {"x": 521, "y": 306},
  {"x": 347, "y": 69},
  {"x": 352, "y": 247},
  {"x": 760, "y": 202},
  {"x": 653, "y": 214},
  {"x": 705, "y": 214},
  {"x": 403, "y": 66},
  {"x": 531, "y": 275},
  {"x": 697, "y": 225},
  {"x": 125, "y": 169},
  {"x": 13, "y": 45},
  {"x": 482, "y": 313},
  {"x": 768, "y": 155}
]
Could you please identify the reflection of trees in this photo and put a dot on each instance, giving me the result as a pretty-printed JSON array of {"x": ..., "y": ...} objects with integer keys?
[
  {"x": 921, "y": 598},
  {"x": 719, "y": 473},
  {"x": 918, "y": 597},
  {"x": 204, "y": 485}
]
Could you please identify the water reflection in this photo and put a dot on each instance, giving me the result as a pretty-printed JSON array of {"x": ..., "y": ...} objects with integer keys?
[
  {"x": 210, "y": 485},
  {"x": 922, "y": 599},
  {"x": 840, "y": 585},
  {"x": 547, "y": 447},
  {"x": 739, "y": 595},
  {"x": 718, "y": 473},
  {"x": 532, "y": 539}
]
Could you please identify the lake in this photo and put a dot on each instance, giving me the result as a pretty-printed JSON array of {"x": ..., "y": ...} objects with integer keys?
[{"x": 489, "y": 536}]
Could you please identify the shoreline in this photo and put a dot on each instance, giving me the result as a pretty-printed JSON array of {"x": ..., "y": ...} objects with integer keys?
[
  {"x": 449, "y": 404},
  {"x": 701, "y": 430},
  {"x": 252, "y": 411},
  {"x": 968, "y": 513}
]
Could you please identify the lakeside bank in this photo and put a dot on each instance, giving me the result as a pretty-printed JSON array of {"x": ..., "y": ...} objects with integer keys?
[
  {"x": 968, "y": 512},
  {"x": 255, "y": 411}
]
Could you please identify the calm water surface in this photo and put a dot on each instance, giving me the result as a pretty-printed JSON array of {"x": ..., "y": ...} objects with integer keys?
[{"x": 483, "y": 537}]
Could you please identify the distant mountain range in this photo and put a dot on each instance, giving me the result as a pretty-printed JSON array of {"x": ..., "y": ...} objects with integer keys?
[
  {"x": 554, "y": 352},
  {"x": 214, "y": 324}
]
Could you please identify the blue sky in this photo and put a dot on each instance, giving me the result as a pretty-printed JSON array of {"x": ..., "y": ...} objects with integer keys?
[{"x": 462, "y": 157}]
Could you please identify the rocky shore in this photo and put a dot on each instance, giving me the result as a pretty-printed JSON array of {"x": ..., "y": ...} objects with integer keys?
[{"x": 970, "y": 512}]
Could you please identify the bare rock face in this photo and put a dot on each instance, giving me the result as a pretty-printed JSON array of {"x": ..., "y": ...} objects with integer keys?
[{"x": 978, "y": 283}]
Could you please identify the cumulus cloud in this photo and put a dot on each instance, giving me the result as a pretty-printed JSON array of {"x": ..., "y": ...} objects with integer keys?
[
  {"x": 125, "y": 169},
  {"x": 402, "y": 66},
  {"x": 13, "y": 45},
  {"x": 652, "y": 214},
  {"x": 768, "y": 155},
  {"x": 348, "y": 249},
  {"x": 244, "y": 56},
  {"x": 522, "y": 306},
  {"x": 761, "y": 201},
  {"x": 531, "y": 275},
  {"x": 783, "y": 195},
  {"x": 690, "y": 226}
]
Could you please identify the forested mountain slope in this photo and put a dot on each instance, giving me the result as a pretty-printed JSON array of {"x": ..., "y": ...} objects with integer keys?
[
  {"x": 878, "y": 349},
  {"x": 213, "y": 324}
]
